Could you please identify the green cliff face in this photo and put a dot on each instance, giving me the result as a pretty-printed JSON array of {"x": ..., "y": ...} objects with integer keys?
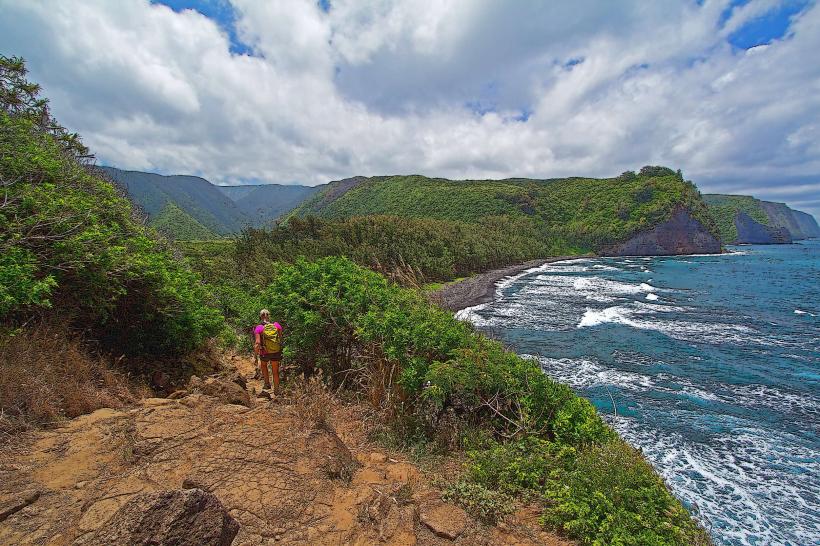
[{"x": 587, "y": 213}]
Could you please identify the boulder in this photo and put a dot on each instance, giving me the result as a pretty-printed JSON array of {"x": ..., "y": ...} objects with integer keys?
[
  {"x": 225, "y": 390},
  {"x": 181, "y": 517},
  {"x": 443, "y": 519}
]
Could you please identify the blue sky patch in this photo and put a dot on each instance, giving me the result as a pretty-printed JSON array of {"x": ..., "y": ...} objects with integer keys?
[
  {"x": 771, "y": 26},
  {"x": 220, "y": 11}
]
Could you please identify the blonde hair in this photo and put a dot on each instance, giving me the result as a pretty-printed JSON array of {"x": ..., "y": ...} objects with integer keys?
[{"x": 264, "y": 313}]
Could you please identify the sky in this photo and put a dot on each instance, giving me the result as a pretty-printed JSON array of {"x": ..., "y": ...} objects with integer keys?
[{"x": 291, "y": 91}]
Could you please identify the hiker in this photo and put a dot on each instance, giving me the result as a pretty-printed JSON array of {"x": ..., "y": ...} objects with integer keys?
[{"x": 268, "y": 346}]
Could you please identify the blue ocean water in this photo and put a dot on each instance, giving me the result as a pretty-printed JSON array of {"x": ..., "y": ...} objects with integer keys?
[{"x": 713, "y": 364}]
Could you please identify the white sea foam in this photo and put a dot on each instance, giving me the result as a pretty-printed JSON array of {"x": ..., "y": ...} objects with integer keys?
[
  {"x": 731, "y": 480},
  {"x": 470, "y": 314},
  {"x": 801, "y": 312},
  {"x": 644, "y": 316},
  {"x": 652, "y": 297}
]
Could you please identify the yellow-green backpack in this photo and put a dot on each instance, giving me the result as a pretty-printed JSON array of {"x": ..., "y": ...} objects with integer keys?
[{"x": 271, "y": 339}]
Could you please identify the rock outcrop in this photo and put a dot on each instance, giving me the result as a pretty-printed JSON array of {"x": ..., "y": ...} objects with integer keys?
[
  {"x": 181, "y": 517},
  {"x": 681, "y": 234},
  {"x": 752, "y": 232},
  {"x": 226, "y": 390}
]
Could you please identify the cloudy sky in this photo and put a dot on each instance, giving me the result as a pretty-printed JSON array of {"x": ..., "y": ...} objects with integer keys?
[{"x": 306, "y": 92}]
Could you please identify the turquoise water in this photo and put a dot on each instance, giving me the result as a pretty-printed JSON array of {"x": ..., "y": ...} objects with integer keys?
[{"x": 713, "y": 364}]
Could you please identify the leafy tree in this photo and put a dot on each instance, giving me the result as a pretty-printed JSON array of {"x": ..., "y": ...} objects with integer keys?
[{"x": 68, "y": 241}]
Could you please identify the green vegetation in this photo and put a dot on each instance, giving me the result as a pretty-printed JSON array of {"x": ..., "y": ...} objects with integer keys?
[
  {"x": 724, "y": 208},
  {"x": 175, "y": 223},
  {"x": 194, "y": 195},
  {"x": 68, "y": 241},
  {"x": 411, "y": 251},
  {"x": 223, "y": 210},
  {"x": 434, "y": 377},
  {"x": 584, "y": 213},
  {"x": 71, "y": 249}
]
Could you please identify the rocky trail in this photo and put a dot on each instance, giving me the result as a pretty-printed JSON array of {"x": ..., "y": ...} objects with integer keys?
[{"x": 218, "y": 465}]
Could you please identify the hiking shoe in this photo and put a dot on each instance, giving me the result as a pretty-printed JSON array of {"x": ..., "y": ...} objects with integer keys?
[
  {"x": 267, "y": 386},
  {"x": 264, "y": 394}
]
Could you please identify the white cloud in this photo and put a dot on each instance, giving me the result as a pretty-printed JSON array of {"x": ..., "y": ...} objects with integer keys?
[{"x": 431, "y": 87}]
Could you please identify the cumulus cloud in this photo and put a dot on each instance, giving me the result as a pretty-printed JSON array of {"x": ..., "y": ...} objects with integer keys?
[{"x": 444, "y": 88}]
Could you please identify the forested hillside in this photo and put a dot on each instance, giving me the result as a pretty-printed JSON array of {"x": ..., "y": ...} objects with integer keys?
[
  {"x": 196, "y": 196},
  {"x": 175, "y": 223},
  {"x": 725, "y": 210},
  {"x": 223, "y": 210},
  {"x": 583, "y": 213},
  {"x": 265, "y": 203}
]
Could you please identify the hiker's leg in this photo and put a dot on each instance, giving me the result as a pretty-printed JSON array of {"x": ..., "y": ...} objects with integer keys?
[
  {"x": 265, "y": 377},
  {"x": 274, "y": 366}
]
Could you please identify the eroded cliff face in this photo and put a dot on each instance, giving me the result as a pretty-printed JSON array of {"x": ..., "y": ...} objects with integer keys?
[
  {"x": 807, "y": 223},
  {"x": 750, "y": 231},
  {"x": 681, "y": 234}
]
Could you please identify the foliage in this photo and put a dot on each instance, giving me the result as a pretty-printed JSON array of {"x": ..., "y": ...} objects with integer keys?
[
  {"x": 724, "y": 208},
  {"x": 409, "y": 250},
  {"x": 486, "y": 505},
  {"x": 436, "y": 376},
  {"x": 586, "y": 213},
  {"x": 175, "y": 223},
  {"x": 20, "y": 98},
  {"x": 610, "y": 495},
  {"x": 68, "y": 241}
]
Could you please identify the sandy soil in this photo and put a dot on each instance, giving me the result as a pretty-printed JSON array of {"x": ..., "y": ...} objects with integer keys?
[{"x": 282, "y": 476}]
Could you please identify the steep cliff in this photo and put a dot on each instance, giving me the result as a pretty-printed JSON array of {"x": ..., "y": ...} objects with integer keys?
[
  {"x": 807, "y": 223},
  {"x": 752, "y": 232},
  {"x": 777, "y": 217},
  {"x": 681, "y": 234}
]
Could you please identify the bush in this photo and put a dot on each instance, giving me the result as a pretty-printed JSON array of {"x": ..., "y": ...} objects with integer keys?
[
  {"x": 437, "y": 377},
  {"x": 484, "y": 504},
  {"x": 68, "y": 241},
  {"x": 376, "y": 337},
  {"x": 610, "y": 495}
]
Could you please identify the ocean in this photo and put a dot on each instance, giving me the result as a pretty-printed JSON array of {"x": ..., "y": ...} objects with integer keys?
[{"x": 709, "y": 364}]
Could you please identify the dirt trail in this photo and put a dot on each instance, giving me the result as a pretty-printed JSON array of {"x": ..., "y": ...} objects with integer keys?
[{"x": 284, "y": 480}]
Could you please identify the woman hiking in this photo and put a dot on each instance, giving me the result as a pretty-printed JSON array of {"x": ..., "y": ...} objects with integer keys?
[{"x": 268, "y": 346}]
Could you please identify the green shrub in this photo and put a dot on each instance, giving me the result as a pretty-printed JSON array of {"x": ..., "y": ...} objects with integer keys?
[
  {"x": 69, "y": 242},
  {"x": 486, "y": 505},
  {"x": 543, "y": 441},
  {"x": 610, "y": 495}
]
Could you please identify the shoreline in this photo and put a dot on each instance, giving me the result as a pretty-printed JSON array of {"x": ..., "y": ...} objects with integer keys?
[{"x": 481, "y": 288}]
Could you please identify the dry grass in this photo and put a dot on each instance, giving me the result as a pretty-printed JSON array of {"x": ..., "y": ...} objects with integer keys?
[
  {"x": 312, "y": 400},
  {"x": 46, "y": 376}
]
